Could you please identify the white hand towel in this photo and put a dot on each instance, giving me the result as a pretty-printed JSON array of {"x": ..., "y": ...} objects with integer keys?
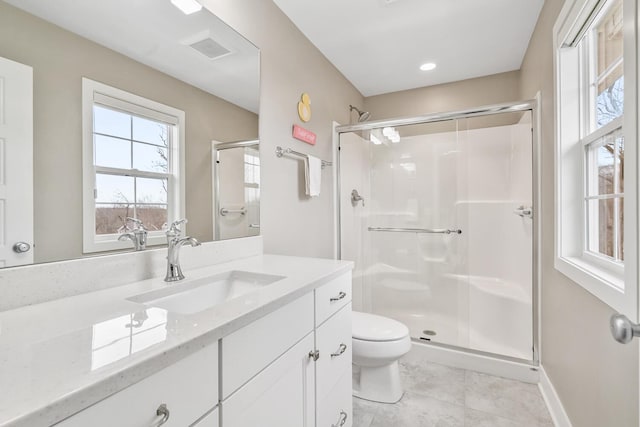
[{"x": 313, "y": 175}]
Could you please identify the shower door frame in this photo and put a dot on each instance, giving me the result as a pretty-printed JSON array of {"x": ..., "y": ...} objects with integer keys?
[{"x": 532, "y": 105}]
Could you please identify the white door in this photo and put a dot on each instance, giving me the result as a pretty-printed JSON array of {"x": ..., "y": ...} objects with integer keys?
[
  {"x": 16, "y": 163},
  {"x": 282, "y": 395}
]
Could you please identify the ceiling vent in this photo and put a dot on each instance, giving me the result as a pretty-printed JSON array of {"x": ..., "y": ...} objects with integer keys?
[{"x": 210, "y": 48}]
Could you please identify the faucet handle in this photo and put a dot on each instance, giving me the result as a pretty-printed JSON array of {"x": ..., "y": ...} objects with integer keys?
[
  {"x": 175, "y": 227},
  {"x": 137, "y": 224}
]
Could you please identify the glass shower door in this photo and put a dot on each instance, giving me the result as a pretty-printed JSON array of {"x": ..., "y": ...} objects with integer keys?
[{"x": 421, "y": 184}]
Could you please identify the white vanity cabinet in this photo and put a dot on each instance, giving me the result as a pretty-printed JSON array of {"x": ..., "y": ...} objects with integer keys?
[
  {"x": 188, "y": 390},
  {"x": 289, "y": 368},
  {"x": 301, "y": 358}
]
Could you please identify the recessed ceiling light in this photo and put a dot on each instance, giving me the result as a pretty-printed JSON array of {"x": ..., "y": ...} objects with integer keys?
[
  {"x": 187, "y": 6},
  {"x": 428, "y": 66}
]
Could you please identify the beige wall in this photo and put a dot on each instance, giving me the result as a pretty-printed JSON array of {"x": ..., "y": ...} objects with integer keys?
[
  {"x": 291, "y": 223},
  {"x": 60, "y": 59},
  {"x": 494, "y": 89},
  {"x": 595, "y": 377}
]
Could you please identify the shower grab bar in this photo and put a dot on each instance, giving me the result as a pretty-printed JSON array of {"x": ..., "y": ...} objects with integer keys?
[
  {"x": 282, "y": 151},
  {"x": 226, "y": 211},
  {"x": 417, "y": 230}
]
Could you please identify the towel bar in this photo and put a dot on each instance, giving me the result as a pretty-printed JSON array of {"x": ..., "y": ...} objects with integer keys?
[{"x": 282, "y": 151}]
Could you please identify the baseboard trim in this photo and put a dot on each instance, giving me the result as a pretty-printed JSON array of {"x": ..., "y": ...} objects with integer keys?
[{"x": 558, "y": 414}]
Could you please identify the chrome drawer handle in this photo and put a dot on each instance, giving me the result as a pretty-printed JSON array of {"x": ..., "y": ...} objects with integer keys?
[
  {"x": 340, "y": 296},
  {"x": 163, "y": 412},
  {"x": 341, "y": 349},
  {"x": 315, "y": 355},
  {"x": 342, "y": 420}
]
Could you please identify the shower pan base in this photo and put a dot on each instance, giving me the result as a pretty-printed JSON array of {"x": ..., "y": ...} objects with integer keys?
[{"x": 514, "y": 369}]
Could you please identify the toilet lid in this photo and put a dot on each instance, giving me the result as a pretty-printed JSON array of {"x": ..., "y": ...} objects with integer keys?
[{"x": 369, "y": 327}]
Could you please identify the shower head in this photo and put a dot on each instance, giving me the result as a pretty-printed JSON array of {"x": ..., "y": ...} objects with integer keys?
[{"x": 363, "y": 116}]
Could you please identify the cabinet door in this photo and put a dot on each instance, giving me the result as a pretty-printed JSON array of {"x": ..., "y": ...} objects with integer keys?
[
  {"x": 282, "y": 395},
  {"x": 336, "y": 408}
]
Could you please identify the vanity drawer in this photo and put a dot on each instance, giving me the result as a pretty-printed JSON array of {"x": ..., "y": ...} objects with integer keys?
[
  {"x": 249, "y": 350},
  {"x": 333, "y": 341},
  {"x": 188, "y": 388},
  {"x": 337, "y": 405},
  {"x": 332, "y": 296}
]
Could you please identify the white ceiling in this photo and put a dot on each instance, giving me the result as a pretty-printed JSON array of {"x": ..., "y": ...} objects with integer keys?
[
  {"x": 379, "y": 44},
  {"x": 157, "y": 34}
]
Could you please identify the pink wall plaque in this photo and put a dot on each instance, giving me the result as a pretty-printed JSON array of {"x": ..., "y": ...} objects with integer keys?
[{"x": 304, "y": 135}]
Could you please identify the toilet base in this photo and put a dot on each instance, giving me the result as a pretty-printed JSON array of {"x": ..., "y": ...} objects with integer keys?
[{"x": 379, "y": 384}]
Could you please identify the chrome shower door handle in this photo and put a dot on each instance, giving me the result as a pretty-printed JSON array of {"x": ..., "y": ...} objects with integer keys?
[{"x": 623, "y": 329}]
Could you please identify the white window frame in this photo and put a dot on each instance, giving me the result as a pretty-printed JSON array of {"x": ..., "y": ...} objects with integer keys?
[
  {"x": 95, "y": 92},
  {"x": 600, "y": 276}
]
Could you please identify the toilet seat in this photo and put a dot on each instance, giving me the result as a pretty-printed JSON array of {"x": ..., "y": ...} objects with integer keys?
[{"x": 370, "y": 327}]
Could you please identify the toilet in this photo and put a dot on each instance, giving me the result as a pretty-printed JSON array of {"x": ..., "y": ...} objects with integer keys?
[{"x": 377, "y": 343}]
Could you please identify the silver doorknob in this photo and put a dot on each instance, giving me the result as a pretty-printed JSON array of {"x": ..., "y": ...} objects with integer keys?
[
  {"x": 21, "y": 247},
  {"x": 623, "y": 329}
]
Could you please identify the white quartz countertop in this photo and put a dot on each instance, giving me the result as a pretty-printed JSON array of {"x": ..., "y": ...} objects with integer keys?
[{"x": 59, "y": 357}]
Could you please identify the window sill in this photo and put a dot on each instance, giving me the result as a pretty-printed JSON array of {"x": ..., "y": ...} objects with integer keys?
[
  {"x": 114, "y": 244},
  {"x": 605, "y": 284}
]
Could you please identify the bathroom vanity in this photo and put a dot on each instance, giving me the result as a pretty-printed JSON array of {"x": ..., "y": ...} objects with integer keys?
[{"x": 263, "y": 340}]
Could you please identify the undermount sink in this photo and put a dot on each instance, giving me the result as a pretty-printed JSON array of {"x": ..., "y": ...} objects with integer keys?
[{"x": 200, "y": 294}]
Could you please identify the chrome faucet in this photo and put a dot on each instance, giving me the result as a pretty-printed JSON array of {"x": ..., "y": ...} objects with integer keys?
[
  {"x": 137, "y": 234},
  {"x": 175, "y": 241}
]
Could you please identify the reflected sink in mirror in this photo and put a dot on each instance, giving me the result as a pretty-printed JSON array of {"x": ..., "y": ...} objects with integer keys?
[{"x": 201, "y": 294}]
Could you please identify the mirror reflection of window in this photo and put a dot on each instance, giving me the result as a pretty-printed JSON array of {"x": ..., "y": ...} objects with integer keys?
[
  {"x": 132, "y": 169},
  {"x": 132, "y": 157}
]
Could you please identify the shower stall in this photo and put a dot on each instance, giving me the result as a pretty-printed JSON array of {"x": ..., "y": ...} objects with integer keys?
[{"x": 439, "y": 214}]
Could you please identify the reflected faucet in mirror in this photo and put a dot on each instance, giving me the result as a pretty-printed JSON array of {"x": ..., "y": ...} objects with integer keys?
[
  {"x": 137, "y": 234},
  {"x": 175, "y": 241}
]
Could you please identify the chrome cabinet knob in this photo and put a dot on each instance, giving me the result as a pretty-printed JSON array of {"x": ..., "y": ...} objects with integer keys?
[
  {"x": 623, "y": 329},
  {"x": 315, "y": 355},
  {"x": 21, "y": 247}
]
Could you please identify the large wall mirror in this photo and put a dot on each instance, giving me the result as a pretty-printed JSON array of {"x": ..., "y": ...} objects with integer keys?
[{"x": 126, "y": 99}]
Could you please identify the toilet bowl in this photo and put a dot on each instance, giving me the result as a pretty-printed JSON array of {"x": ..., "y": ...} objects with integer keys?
[{"x": 377, "y": 344}]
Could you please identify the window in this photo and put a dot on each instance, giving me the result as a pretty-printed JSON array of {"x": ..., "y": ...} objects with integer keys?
[
  {"x": 132, "y": 161},
  {"x": 602, "y": 134},
  {"x": 595, "y": 116}
]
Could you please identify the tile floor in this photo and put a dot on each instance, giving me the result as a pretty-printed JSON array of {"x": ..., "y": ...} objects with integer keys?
[{"x": 437, "y": 395}]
